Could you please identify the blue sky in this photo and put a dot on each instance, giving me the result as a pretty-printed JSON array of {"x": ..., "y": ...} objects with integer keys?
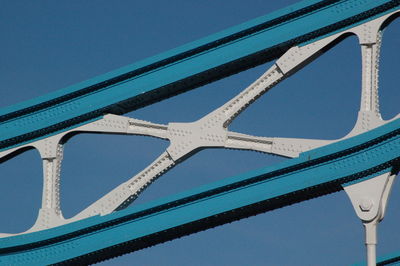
[{"x": 48, "y": 46}]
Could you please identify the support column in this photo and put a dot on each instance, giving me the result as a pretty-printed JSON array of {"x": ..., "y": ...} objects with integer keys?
[
  {"x": 371, "y": 241},
  {"x": 370, "y": 73},
  {"x": 50, "y": 214},
  {"x": 369, "y": 116},
  {"x": 51, "y": 181}
]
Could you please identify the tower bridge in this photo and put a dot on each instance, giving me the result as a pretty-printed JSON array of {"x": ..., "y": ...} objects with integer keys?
[{"x": 363, "y": 162}]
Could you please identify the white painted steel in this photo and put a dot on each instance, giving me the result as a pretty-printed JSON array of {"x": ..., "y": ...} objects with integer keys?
[{"x": 369, "y": 199}]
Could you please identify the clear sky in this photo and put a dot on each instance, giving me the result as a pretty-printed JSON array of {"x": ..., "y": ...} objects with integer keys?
[{"x": 48, "y": 46}]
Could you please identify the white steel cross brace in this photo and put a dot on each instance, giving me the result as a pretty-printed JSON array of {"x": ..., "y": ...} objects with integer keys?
[{"x": 211, "y": 131}]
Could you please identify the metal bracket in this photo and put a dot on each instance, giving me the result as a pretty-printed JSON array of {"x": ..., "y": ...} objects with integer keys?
[{"x": 369, "y": 199}]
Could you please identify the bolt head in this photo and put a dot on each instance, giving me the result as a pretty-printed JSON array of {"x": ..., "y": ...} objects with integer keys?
[{"x": 366, "y": 205}]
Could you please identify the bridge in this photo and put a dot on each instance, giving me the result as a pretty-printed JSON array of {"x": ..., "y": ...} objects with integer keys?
[{"x": 364, "y": 161}]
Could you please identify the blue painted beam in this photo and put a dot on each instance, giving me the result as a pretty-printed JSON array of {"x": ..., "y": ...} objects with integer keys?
[
  {"x": 312, "y": 174},
  {"x": 184, "y": 68},
  {"x": 390, "y": 259},
  {"x": 386, "y": 260}
]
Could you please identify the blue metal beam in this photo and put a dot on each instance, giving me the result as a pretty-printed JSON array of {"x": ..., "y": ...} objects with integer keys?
[{"x": 389, "y": 259}]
